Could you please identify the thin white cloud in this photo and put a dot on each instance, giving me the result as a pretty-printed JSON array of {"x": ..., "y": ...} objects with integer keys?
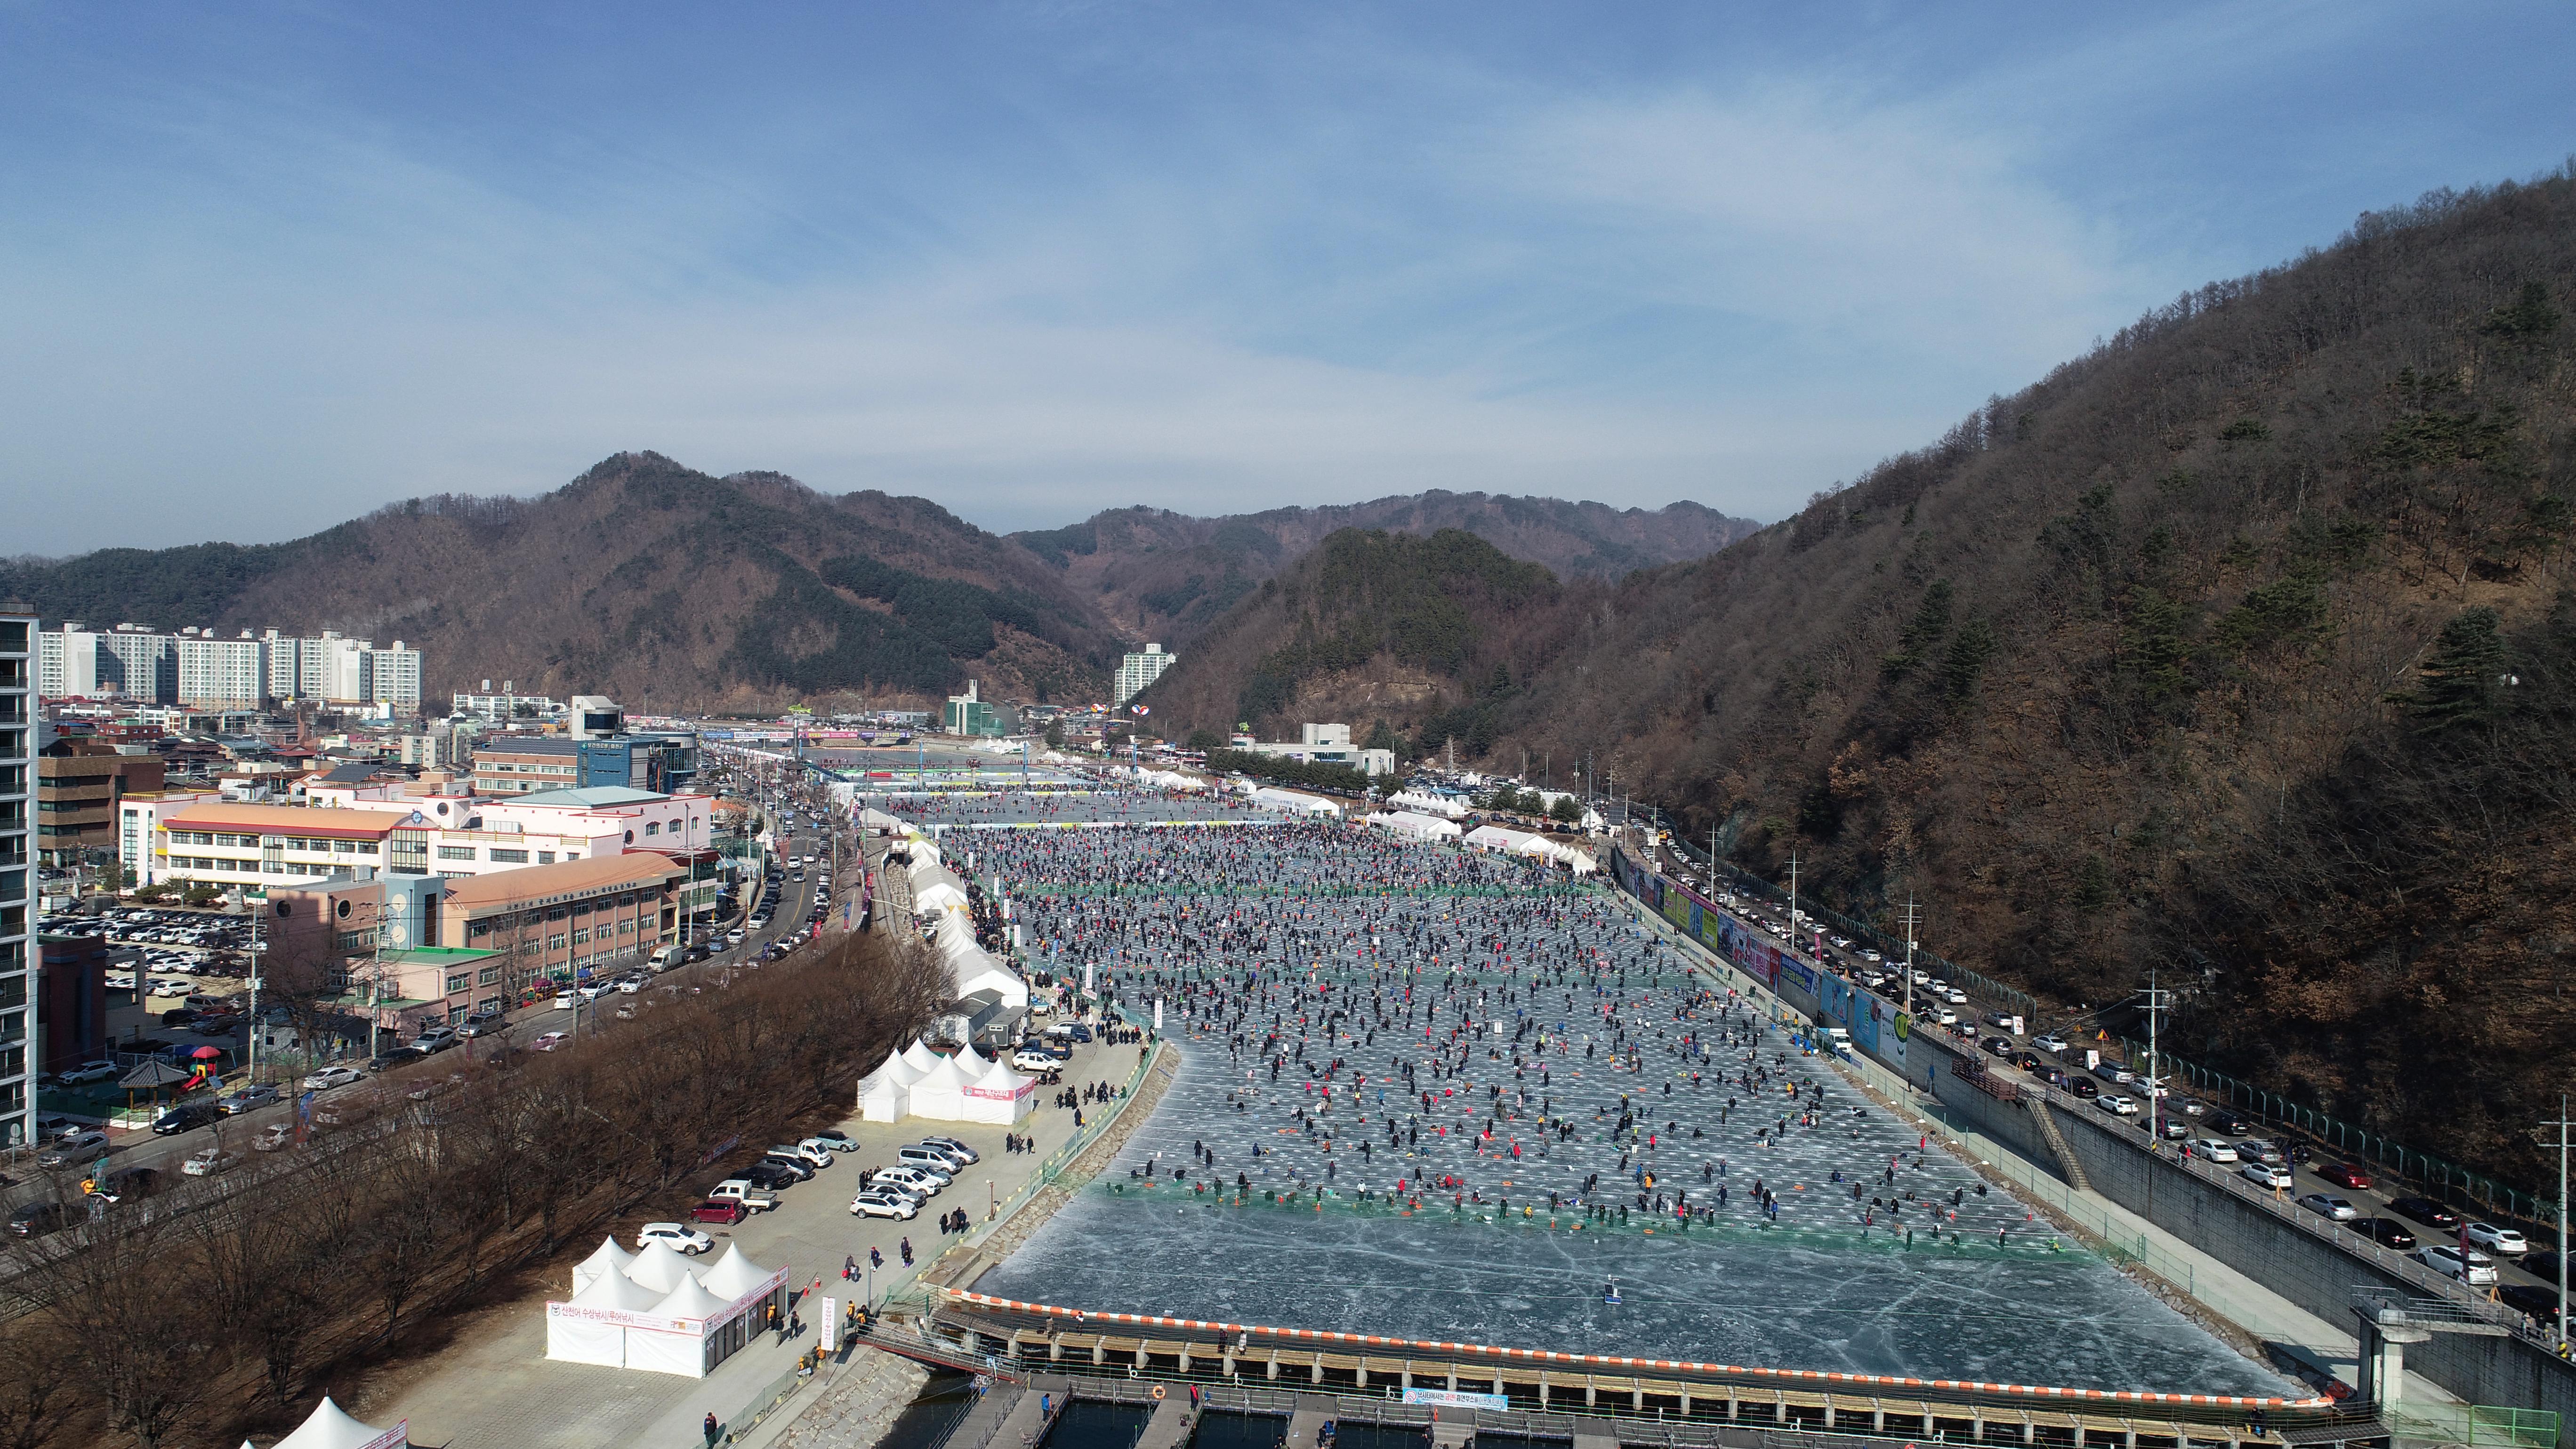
[{"x": 1825, "y": 211}]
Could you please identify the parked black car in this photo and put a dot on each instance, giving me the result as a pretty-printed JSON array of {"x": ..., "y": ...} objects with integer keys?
[
  {"x": 2229, "y": 1123},
  {"x": 2529, "y": 1298},
  {"x": 186, "y": 1117},
  {"x": 2386, "y": 1232},
  {"x": 37, "y": 1219},
  {"x": 2083, "y": 1087},
  {"x": 769, "y": 1175},
  {"x": 2426, "y": 1211}
]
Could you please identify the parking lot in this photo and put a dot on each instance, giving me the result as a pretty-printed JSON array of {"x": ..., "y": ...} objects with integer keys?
[
  {"x": 73, "y": 1107},
  {"x": 494, "y": 1386}
]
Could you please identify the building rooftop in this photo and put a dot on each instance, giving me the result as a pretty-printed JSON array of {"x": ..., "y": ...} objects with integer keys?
[
  {"x": 436, "y": 956},
  {"x": 510, "y": 889},
  {"x": 591, "y": 797},
  {"x": 287, "y": 819}
]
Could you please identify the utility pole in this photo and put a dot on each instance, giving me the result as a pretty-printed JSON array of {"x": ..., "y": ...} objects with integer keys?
[
  {"x": 2562, "y": 1124},
  {"x": 1793, "y": 898},
  {"x": 1913, "y": 916},
  {"x": 258, "y": 968},
  {"x": 2155, "y": 1096}
]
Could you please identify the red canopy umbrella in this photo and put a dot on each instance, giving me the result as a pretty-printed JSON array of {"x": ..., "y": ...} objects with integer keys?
[{"x": 203, "y": 1052}]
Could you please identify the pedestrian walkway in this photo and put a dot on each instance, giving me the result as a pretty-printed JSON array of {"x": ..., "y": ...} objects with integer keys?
[{"x": 493, "y": 1388}]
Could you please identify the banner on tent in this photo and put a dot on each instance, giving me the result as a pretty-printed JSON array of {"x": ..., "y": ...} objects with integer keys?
[
  {"x": 620, "y": 1318},
  {"x": 398, "y": 1434}
]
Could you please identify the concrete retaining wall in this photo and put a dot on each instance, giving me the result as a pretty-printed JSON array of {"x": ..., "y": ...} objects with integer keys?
[{"x": 2304, "y": 1267}]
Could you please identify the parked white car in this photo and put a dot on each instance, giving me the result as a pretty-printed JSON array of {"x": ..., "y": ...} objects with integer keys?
[
  {"x": 2477, "y": 1269},
  {"x": 2117, "y": 1105},
  {"x": 2264, "y": 1174},
  {"x": 912, "y": 1178},
  {"x": 329, "y": 1077},
  {"x": 881, "y": 1203},
  {"x": 2216, "y": 1149},
  {"x": 2503, "y": 1242},
  {"x": 680, "y": 1236}
]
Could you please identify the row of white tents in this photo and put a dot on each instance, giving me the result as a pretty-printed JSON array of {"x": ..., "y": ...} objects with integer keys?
[
  {"x": 1293, "y": 802},
  {"x": 919, "y": 1082},
  {"x": 651, "y": 1311},
  {"x": 938, "y": 893},
  {"x": 1415, "y": 825},
  {"x": 1523, "y": 842},
  {"x": 1417, "y": 801}
]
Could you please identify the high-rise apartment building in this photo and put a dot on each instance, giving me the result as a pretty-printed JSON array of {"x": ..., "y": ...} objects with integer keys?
[
  {"x": 129, "y": 661},
  {"x": 17, "y": 874},
  {"x": 1135, "y": 671},
  {"x": 217, "y": 673}
]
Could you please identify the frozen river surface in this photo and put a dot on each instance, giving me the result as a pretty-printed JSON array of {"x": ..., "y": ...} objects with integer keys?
[{"x": 1447, "y": 1104}]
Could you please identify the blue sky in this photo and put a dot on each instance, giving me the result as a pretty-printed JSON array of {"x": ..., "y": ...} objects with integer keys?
[{"x": 263, "y": 268}]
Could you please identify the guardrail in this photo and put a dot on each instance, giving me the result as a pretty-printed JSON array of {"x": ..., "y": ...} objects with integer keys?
[
  {"x": 1054, "y": 1168},
  {"x": 2314, "y": 1224}
]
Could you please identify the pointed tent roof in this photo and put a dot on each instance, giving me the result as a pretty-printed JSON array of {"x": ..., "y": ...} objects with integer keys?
[
  {"x": 1002, "y": 1079},
  {"x": 921, "y": 1057},
  {"x": 896, "y": 1070},
  {"x": 659, "y": 1267},
  {"x": 734, "y": 1274},
  {"x": 616, "y": 1290},
  {"x": 330, "y": 1427},
  {"x": 691, "y": 1300},
  {"x": 883, "y": 1088},
  {"x": 973, "y": 1063},
  {"x": 609, "y": 1259},
  {"x": 944, "y": 1077}
]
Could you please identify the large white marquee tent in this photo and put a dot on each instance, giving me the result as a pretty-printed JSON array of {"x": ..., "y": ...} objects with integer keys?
[
  {"x": 330, "y": 1427},
  {"x": 962, "y": 1088},
  {"x": 618, "y": 1317}
]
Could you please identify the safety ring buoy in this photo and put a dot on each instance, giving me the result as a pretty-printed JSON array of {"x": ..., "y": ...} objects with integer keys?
[{"x": 1158, "y": 1391}]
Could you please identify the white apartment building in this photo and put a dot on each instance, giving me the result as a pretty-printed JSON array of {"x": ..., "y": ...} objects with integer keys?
[
  {"x": 129, "y": 661},
  {"x": 17, "y": 884},
  {"x": 200, "y": 667},
  {"x": 222, "y": 673},
  {"x": 1135, "y": 671}
]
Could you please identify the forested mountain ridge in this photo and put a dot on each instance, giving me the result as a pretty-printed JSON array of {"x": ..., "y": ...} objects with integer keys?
[
  {"x": 1391, "y": 632},
  {"x": 648, "y": 579},
  {"x": 642, "y": 579},
  {"x": 1166, "y": 576},
  {"x": 2240, "y": 650}
]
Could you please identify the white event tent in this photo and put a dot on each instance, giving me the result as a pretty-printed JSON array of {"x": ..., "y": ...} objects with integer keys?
[
  {"x": 962, "y": 1088},
  {"x": 1294, "y": 801},
  {"x": 1416, "y": 825},
  {"x": 1440, "y": 805},
  {"x": 330, "y": 1427},
  {"x": 688, "y": 1329}
]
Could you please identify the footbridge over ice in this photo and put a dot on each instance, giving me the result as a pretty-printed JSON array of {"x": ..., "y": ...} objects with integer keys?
[{"x": 1591, "y": 1401}]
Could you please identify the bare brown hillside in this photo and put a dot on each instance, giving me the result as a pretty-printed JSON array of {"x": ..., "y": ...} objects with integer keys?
[
  {"x": 644, "y": 579},
  {"x": 2240, "y": 649}
]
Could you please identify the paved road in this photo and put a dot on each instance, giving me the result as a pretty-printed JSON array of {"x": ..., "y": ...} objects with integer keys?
[
  {"x": 2370, "y": 1202},
  {"x": 28, "y": 1183}
]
